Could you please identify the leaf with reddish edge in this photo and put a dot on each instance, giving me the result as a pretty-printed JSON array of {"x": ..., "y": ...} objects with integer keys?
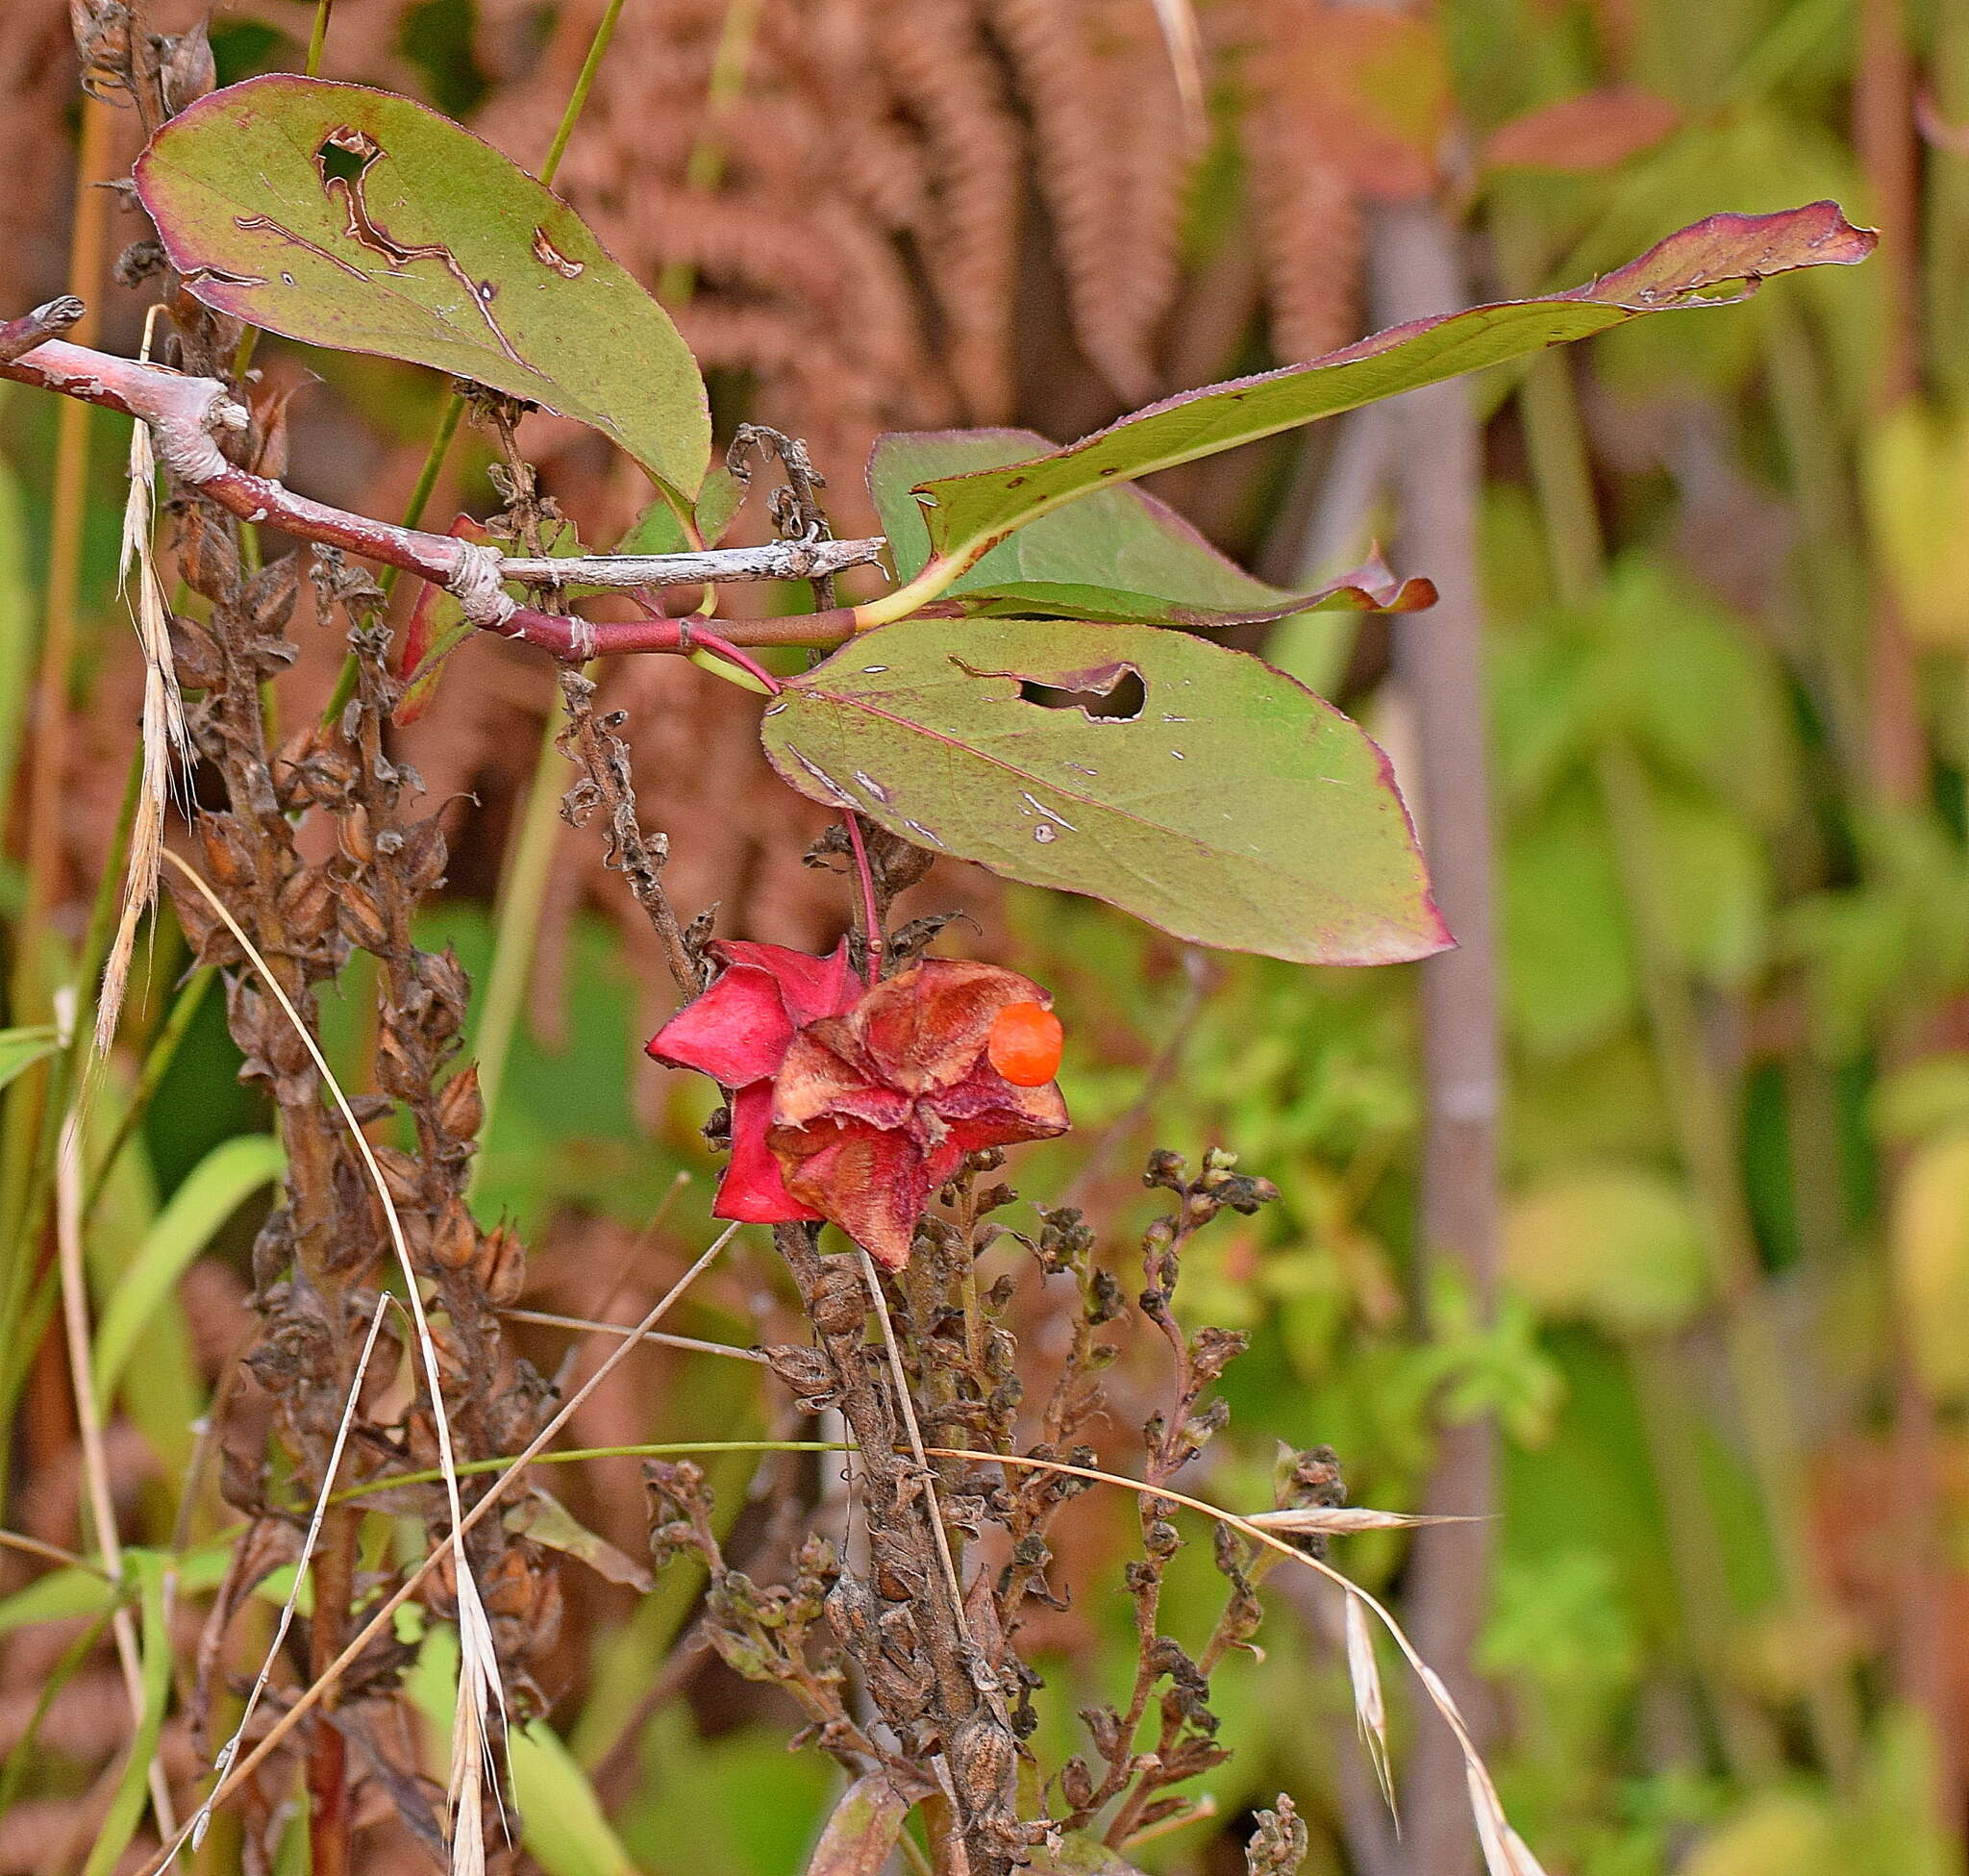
[
  {"x": 1232, "y": 808},
  {"x": 353, "y": 218},
  {"x": 1120, "y": 556},
  {"x": 1716, "y": 260}
]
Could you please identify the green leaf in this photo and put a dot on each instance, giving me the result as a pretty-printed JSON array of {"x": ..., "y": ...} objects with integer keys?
[
  {"x": 546, "y": 1520},
  {"x": 1216, "y": 798},
  {"x": 355, "y": 220},
  {"x": 209, "y": 1196},
  {"x": 1121, "y": 556},
  {"x": 66, "y": 1593},
  {"x": 1619, "y": 1247},
  {"x": 564, "y": 1828},
  {"x": 863, "y": 1829},
  {"x": 126, "y": 1808},
  {"x": 1929, "y": 1237},
  {"x": 1716, "y": 260},
  {"x": 21, "y": 1048}
]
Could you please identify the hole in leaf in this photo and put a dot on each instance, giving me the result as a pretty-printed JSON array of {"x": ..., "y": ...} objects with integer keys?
[
  {"x": 344, "y": 155},
  {"x": 1114, "y": 696}
]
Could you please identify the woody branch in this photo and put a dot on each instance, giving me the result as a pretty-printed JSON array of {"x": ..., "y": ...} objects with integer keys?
[{"x": 190, "y": 416}]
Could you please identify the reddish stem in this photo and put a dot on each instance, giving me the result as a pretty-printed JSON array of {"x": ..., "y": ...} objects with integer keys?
[
  {"x": 731, "y": 655},
  {"x": 871, "y": 920}
]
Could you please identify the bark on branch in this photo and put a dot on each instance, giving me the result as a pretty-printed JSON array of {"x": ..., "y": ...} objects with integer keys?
[{"x": 189, "y": 416}]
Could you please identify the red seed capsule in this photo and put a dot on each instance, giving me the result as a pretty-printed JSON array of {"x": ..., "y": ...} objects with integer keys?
[{"x": 1025, "y": 1044}]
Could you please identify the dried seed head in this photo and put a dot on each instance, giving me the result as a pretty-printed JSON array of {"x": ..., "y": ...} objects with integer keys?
[
  {"x": 455, "y": 1238},
  {"x": 501, "y": 1269},
  {"x": 186, "y": 71},
  {"x": 402, "y": 1175},
  {"x": 360, "y": 917},
  {"x": 358, "y": 842},
  {"x": 461, "y": 1106}
]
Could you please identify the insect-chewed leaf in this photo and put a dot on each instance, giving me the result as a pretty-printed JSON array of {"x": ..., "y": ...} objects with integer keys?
[
  {"x": 1718, "y": 259},
  {"x": 1192, "y": 786},
  {"x": 353, "y": 218},
  {"x": 1121, "y": 555}
]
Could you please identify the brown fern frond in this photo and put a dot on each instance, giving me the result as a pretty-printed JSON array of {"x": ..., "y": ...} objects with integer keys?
[
  {"x": 1307, "y": 211},
  {"x": 1112, "y": 159},
  {"x": 944, "y": 74}
]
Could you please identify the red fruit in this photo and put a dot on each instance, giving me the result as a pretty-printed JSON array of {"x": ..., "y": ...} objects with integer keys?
[{"x": 1025, "y": 1044}]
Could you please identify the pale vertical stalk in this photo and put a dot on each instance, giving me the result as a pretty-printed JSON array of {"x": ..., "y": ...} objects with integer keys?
[
  {"x": 95, "y": 1465},
  {"x": 67, "y": 512},
  {"x": 1437, "y": 476}
]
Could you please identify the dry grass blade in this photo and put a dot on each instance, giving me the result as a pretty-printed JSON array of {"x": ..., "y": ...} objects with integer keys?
[
  {"x": 1370, "y": 1710},
  {"x": 305, "y": 1702},
  {"x": 224, "y": 1757},
  {"x": 479, "y": 1685},
  {"x": 1178, "y": 20},
  {"x": 95, "y": 1465},
  {"x": 586, "y": 1325},
  {"x": 163, "y": 729},
  {"x": 1345, "y": 1520}
]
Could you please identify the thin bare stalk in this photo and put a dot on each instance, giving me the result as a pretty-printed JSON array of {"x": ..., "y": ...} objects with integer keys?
[
  {"x": 95, "y": 1465},
  {"x": 1437, "y": 472}
]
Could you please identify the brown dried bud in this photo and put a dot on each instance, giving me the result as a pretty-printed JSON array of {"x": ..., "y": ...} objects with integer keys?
[
  {"x": 461, "y": 1106},
  {"x": 307, "y": 904},
  {"x": 424, "y": 856},
  {"x": 193, "y": 652},
  {"x": 502, "y": 1267},
  {"x": 839, "y": 1302},
  {"x": 208, "y": 556},
  {"x": 851, "y": 1612},
  {"x": 360, "y": 917},
  {"x": 806, "y": 1371},
  {"x": 227, "y": 861},
  {"x": 399, "y": 1072},
  {"x": 186, "y": 71},
  {"x": 455, "y": 1238},
  {"x": 507, "y": 1589},
  {"x": 358, "y": 841},
  {"x": 403, "y": 1175},
  {"x": 1076, "y": 1783},
  {"x": 983, "y": 1757}
]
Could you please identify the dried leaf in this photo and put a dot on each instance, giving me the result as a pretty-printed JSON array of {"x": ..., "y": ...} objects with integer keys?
[{"x": 1370, "y": 1709}]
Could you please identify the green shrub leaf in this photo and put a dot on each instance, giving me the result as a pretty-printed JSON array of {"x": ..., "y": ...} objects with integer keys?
[
  {"x": 1121, "y": 555},
  {"x": 1189, "y": 785},
  {"x": 1716, "y": 260},
  {"x": 355, "y": 220}
]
